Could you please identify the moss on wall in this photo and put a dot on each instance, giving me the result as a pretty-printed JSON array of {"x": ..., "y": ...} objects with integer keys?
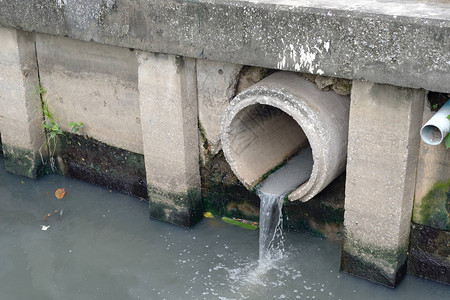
[
  {"x": 434, "y": 210},
  {"x": 385, "y": 266},
  {"x": 92, "y": 161},
  {"x": 24, "y": 162},
  {"x": 183, "y": 209},
  {"x": 429, "y": 253},
  {"x": 321, "y": 216},
  {"x": 223, "y": 194}
]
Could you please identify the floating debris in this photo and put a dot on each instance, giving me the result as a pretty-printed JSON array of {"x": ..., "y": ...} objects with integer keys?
[
  {"x": 43, "y": 227},
  {"x": 46, "y": 217},
  {"x": 241, "y": 222},
  {"x": 207, "y": 214},
  {"x": 59, "y": 193}
]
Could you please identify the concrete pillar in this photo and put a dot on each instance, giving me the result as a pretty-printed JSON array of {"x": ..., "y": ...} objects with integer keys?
[
  {"x": 20, "y": 105},
  {"x": 382, "y": 158},
  {"x": 168, "y": 99}
]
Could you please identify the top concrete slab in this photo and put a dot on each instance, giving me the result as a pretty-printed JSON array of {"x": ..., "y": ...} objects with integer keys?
[
  {"x": 403, "y": 43},
  {"x": 427, "y": 9}
]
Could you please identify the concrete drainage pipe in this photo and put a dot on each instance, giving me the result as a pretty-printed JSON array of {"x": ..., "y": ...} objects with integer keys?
[{"x": 281, "y": 114}]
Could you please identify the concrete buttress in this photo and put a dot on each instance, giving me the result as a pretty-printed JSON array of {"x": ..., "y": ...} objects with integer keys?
[
  {"x": 382, "y": 159},
  {"x": 20, "y": 105},
  {"x": 168, "y": 100}
]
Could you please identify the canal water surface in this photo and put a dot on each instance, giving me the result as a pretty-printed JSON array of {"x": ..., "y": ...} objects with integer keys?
[{"x": 103, "y": 246}]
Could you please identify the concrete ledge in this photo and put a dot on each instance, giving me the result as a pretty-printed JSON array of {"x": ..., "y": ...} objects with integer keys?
[{"x": 403, "y": 43}]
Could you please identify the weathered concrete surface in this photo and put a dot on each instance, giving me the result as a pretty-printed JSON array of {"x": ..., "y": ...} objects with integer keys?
[
  {"x": 403, "y": 43},
  {"x": 249, "y": 76},
  {"x": 322, "y": 216},
  {"x": 433, "y": 169},
  {"x": 168, "y": 98},
  {"x": 222, "y": 192},
  {"x": 94, "y": 84},
  {"x": 429, "y": 253},
  {"x": 382, "y": 158},
  {"x": 95, "y": 162},
  {"x": 20, "y": 104},
  {"x": 216, "y": 86},
  {"x": 272, "y": 120},
  {"x": 325, "y": 83}
]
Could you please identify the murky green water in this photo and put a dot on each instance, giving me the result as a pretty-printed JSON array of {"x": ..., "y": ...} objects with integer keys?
[{"x": 105, "y": 247}]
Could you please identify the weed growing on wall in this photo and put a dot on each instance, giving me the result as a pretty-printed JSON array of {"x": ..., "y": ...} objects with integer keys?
[
  {"x": 52, "y": 128},
  {"x": 76, "y": 126}
]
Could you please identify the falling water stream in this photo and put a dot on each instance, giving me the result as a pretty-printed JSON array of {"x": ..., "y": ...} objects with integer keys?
[{"x": 272, "y": 192}]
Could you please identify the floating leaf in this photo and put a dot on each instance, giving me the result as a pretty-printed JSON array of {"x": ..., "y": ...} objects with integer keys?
[
  {"x": 207, "y": 214},
  {"x": 59, "y": 193}
]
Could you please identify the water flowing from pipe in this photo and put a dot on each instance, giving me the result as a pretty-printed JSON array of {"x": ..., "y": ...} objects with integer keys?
[
  {"x": 270, "y": 226},
  {"x": 272, "y": 192}
]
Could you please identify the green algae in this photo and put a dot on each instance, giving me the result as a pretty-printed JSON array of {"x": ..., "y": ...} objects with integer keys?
[
  {"x": 183, "y": 209},
  {"x": 24, "y": 162},
  {"x": 435, "y": 206},
  {"x": 93, "y": 161},
  {"x": 370, "y": 261},
  {"x": 238, "y": 223}
]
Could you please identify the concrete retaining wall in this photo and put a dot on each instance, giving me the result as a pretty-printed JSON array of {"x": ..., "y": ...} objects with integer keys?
[
  {"x": 93, "y": 84},
  {"x": 163, "y": 103},
  {"x": 372, "y": 40}
]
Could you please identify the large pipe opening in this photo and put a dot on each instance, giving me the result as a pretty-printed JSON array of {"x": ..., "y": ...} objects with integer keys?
[
  {"x": 276, "y": 118},
  {"x": 264, "y": 136}
]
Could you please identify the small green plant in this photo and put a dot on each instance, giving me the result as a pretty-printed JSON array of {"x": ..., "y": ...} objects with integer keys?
[
  {"x": 76, "y": 126},
  {"x": 49, "y": 124},
  {"x": 52, "y": 128},
  {"x": 435, "y": 106}
]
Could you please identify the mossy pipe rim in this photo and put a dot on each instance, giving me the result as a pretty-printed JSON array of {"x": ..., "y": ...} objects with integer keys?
[{"x": 322, "y": 116}]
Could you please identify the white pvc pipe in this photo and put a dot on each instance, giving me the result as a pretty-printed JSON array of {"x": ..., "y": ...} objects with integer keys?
[{"x": 437, "y": 128}]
